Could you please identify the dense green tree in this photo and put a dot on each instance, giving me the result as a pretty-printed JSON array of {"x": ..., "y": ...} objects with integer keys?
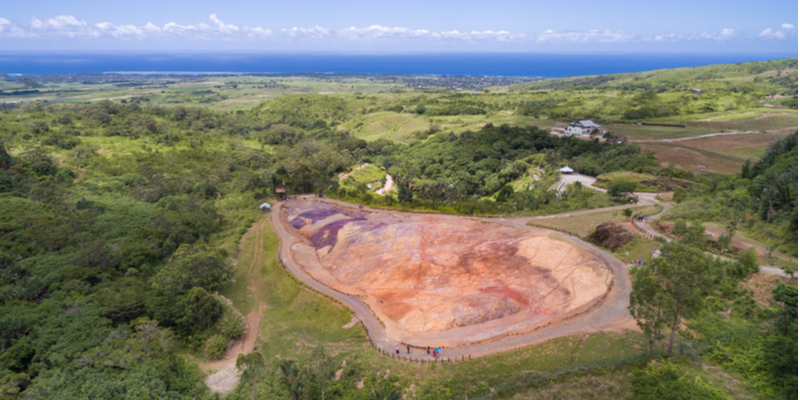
[
  {"x": 293, "y": 379},
  {"x": 201, "y": 310},
  {"x": 648, "y": 303},
  {"x": 617, "y": 189},
  {"x": 193, "y": 266},
  {"x": 253, "y": 369},
  {"x": 684, "y": 272},
  {"x": 323, "y": 368}
]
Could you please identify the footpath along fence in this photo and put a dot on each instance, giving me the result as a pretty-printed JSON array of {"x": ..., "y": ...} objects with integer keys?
[{"x": 644, "y": 232}]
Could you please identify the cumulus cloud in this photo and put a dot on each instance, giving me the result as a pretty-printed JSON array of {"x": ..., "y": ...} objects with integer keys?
[
  {"x": 785, "y": 30},
  {"x": 721, "y": 36},
  {"x": 592, "y": 36},
  {"x": 315, "y": 32},
  {"x": 9, "y": 29},
  {"x": 664, "y": 38},
  {"x": 377, "y": 31},
  {"x": 215, "y": 28}
]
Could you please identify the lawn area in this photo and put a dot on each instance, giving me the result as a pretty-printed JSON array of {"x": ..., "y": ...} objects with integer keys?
[
  {"x": 585, "y": 224},
  {"x": 638, "y": 248},
  {"x": 400, "y": 127},
  {"x": 368, "y": 174}
]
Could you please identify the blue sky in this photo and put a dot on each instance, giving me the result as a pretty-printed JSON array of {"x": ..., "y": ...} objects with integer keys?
[{"x": 401, "y": 26}]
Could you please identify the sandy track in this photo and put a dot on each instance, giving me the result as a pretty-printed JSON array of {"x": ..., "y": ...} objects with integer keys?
[
  {"x": 388, "y": 186},
  {"x": 227, "y": 376},
  {"x": 610, "y": 314}
]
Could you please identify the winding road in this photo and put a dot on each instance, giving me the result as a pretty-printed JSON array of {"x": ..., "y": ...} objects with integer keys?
[{"x": 610, "y": 314}]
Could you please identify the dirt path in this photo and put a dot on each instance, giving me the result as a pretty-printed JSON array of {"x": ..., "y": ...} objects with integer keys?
[
  {"x": 227, "y": 375},
  {"x": 343, "y": 175},
  {"x": 610, "y": 314},
  {"x": 708, "y": 135},
  {"x": 388, "y": 186}
]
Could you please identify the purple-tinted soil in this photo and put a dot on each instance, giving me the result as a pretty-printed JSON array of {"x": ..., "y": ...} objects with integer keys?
[{"x": 327, "y": 235}]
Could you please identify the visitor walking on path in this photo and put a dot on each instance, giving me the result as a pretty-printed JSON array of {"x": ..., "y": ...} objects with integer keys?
[
  {"x": 428, "y": 350},
  {"x": 408, "y": 349},
  {"x": 397, "y": 350}
]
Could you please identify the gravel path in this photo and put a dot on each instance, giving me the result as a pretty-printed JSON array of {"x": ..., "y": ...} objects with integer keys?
[
  {"x": 708, "y": 135},
  {"x": 611, "y": 314}
]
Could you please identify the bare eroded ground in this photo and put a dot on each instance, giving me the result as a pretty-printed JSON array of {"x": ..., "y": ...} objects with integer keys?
[{"x": 434, "y": 279}]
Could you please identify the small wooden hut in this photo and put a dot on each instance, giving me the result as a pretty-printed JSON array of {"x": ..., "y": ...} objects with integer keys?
[{"x": 281, "y": 191}]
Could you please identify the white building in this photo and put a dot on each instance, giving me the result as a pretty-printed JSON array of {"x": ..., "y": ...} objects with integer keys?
[
  {"x": 566, "y": 170},
  {"x": 584, "y": 127}
]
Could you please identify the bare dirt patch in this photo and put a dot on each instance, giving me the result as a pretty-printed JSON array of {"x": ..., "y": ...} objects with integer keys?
[
  {"x": 689, "y": 159},
  {"x": 762, "y": 284},
  {"x": 735, "y": 142},
  {"x": 611, "y": 236},
  {"x": 442, "y": 279}
]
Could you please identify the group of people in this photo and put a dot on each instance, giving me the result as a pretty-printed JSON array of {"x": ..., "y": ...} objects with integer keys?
[
  {"x": 641, "y": 218},
  {"x": 436, "y": 352}
]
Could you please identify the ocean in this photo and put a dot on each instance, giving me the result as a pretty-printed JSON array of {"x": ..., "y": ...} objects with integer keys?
[{"x": 494, "y": 64}]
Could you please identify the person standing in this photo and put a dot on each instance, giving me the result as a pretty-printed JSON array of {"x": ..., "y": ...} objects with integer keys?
[
  {"x": 428, "y": 350},
  {"x": 408, "y": 349},
  {"x": 397, "y": 350}
]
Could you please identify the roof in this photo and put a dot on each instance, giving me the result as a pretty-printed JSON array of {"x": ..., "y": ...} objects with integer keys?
[
  {"x": 588, "y": 124},
  {"x": 280, "y": 189},
  {"x": 265, "y": 205},
  {"x": 566, "y": 169}
]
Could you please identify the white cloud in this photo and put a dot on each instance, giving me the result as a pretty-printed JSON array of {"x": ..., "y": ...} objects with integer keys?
[
  {"x": 664, "y": 38},
  {"x": 377, "y": 31},
  {"x": 221, "y": 26},
  {"x": 68, "y": 26},
  {"x": 316, "y": 32},
  {"x": 9, "y": 29},
  {"x": 59, "y": 22},
  {"x": 722, "y": 36},
  {"x": 592, "y": 36},
  {"x": 778, "y": 34}
]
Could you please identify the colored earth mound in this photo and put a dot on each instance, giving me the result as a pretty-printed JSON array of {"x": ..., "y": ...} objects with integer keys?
[{"x": 426, "y": 276}]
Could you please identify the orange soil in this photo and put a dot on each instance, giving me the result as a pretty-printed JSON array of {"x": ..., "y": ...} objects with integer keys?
[{"x": 434, "y": 277}]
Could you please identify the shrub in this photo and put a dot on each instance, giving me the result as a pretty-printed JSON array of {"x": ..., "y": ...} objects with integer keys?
[
  {"x": 667, "y": 382},
  {"x": 232, "y": 325},
  {"x": 215, "y": 347}
]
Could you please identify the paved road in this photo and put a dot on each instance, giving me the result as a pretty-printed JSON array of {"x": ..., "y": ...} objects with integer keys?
[{"x": 609, "y": 315}]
